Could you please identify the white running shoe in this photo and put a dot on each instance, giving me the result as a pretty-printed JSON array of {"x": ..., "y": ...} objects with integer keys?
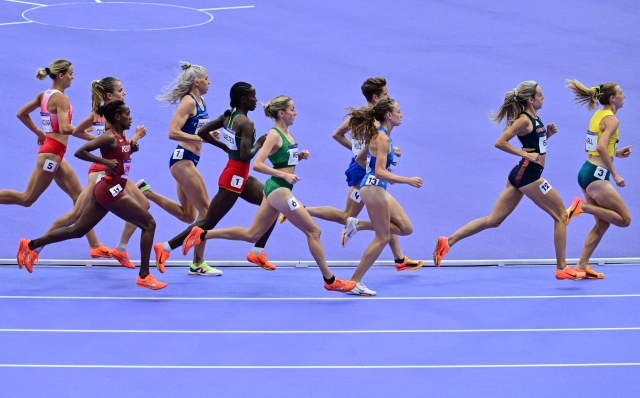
[
  {"x": 203, "y": 270},
  {"x": 349, "y": 230},
  {"x": 362, "y": 290}
]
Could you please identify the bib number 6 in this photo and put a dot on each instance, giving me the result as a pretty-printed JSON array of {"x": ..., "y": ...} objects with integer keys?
[{"x": 293, "y": 203}]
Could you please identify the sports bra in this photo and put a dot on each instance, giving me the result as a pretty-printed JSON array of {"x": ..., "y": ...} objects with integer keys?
[
  {"x": 232, "y": 139},
  {"x": 594, "y": 134},
  {"x": 370, "y": 175},
  {"x": 537, "y": 138},
  {"x": 121, "y": 153},
  {"x": 50, "y": 120},
  {"x": 286, "y": 155},
  {"x": 195, "y": 123}
]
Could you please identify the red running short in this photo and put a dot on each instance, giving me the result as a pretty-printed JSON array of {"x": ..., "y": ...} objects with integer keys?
[
  {"x": 234, "y": 176},
  {"x": 97, "y": 168},
  {"x": 54, "y": 147},
  {"x": 109, "y": 190}
]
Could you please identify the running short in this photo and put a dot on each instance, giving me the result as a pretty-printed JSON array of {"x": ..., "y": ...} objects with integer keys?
[
  {"x": 109, "y": 190},
  {"x": 355, "y": 173},
  {"x": 234, "y": 176},
  {"x": 525, "y": 173},
  {"x": 183, "y": 154},
  {"x": 274, "y": 183},
  {"x": 54, "y": 147},
  {"x": 590, "y": 173},
  {"x": 97, "y": 168}
]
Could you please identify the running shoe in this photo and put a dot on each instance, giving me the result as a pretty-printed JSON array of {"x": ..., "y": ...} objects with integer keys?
[
  {"x": 260, "y": 260},
  {"x": 151, "y": 283},
  {"x": 143, "y": 186},
  {"x": 408, "y": 264},
  {"x": 362, "y": 290},
  {"x": 442, "y": 248},
  {"x": 204, "y": 270},
  {"x": 591, "y": 274},
  {"x": 101, "y": 251},
  {"x": 570, "y": 273},
  {"x": 575, "y": 209},
  {"x": 349, "y": 230},
  {"x": 161, "y": 256},
  {"x": 26, "y": 257},
  {"x": 122, "y": 257},
  {"x": 282, "y": 218},
  {"x": 193, "y": 239},
  {"x": 340, "y": 286}
]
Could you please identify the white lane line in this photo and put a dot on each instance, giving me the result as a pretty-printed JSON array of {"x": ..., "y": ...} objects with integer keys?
[
  {"x": 319, "y": 331},
  {"x": 490, "y": 366},
  {"x": 14, "y": 23},
  {"x": 355, "y": 298},
  {"x": 26, "y": 2},
  {"x": 98, "y": 1},
  {"x": 225, "y": 8}
]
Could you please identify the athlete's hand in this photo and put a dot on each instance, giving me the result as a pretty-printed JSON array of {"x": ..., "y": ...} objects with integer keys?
[
  {"x": 623, "y": 152},
  {"x": 41, "y": 137},
  {"x": 304, "y": 155},
  {"x": 532, "y": 157},
  {"x": 260, "y": 140},
  {"x": 396, "y": 151},
  {"x": 291, "y": 178},
  {"x": 551, "y": 129},
  {"x": 112, "y": 164},
  {"x": 141, "y": 131},
  {"x": 216, "y": 134},
  {"x": 415, "y": 182},
  {"x": 135, "y": 147},
  {"x": 619, "y": 181}
]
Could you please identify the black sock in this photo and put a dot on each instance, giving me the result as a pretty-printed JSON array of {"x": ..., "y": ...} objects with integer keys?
[
  {"x": 330, "y": 280},
  {"x": 399, "y": 261},
  {"x": 30, "y": 245},
  {"x": 203, "y": 235}
]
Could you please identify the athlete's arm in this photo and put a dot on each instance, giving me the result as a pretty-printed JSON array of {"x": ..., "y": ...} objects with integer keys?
[
  {"x": 80, "y": 130},
  {"x": 610, "y": 126},
  {"x": 104, "y": 141},
  {"x": 341, "y": 131},
  {"x": 62, "y": 110},
  {"x": 382, "y": 146},
  {"x": 272, "y": 143},
  {"x": 186, "y": 107},
  {"x": 245, "y": 127},
  {"x": 205, "y": 133},
  {"x": 552, "y": 129},
  {"x": 25, "y": 118},
  {"x": 519, "y": 127},
  {"x": 624, "y": 152}
]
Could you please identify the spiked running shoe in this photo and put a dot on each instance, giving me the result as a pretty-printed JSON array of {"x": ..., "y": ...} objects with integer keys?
[
  {"x": 590, "y": 273},
  {"x": 362, "y": 290},
  {"x": 26, "y": 257},
  {"x": 575, "y": 209},
  {"x": 282, "y": 218},
  {"x": 260, "y": 260},
  {"x": 161, "y": 256},
  {"x": 203, "y": 270},
  {"x": 340, "y": 286},
  {"x": 442, "y": 248},
  {"x": 408, "y": 264},
  {"x": 151, "y": 283},
  {"x": 349, "y": 230},
  {"x": 570, "y": 273},
  {"x": 143, "y": 186},
  {"x": 193, "y": 239},
  {"x": 122, "y": 257},
  {"x": 101, "y": 251}
]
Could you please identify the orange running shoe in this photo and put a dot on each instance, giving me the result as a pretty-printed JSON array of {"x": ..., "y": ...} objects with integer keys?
[
  {"x": 591, "y": 274},
  {"x": 26, "y": 257},
  {"x": 151, "y": 283},
  {"x": 122, "y": 257},
  {"x": 409, "y": 264},
  {"x": 282, "y": 218},
  {"x": 570, "y": 273},
  {"x": 260, "y": 260},
  {"x": 161, "y": 256},
  {"x": 340, "y": 286},
  {"x": 101, "y": 251},
  {"x": 193, "y": 239},
  {"x": 442, "y": 248},
  {"x": 575, "y": 209}
]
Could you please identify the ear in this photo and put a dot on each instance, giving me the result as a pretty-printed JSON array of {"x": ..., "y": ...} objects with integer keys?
[
  {"x": 375, "y": 98},
  {"x": 108, "y": 97}
]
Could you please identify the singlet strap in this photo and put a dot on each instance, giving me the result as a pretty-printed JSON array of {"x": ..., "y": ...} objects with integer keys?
[
  {"x": 232, "y": 118},
  {"x": 198, "y": 109},
  {"x": 383, "y": 129},
  {"x": 283, "y": 137}
]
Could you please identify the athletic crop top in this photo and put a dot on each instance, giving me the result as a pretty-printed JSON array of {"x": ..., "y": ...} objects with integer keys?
[
  {"x": 49, "y": 120},
  {"x": 232, "y": 139},
  {"x": 594, "y": 134},
  {"x": 286, "y": 155},
  {"x": 122, "y": 154},
  {"x": 370, "y": 175},
  {"x": 194, "y": 124},
  {"x": 537, "y": 138}
]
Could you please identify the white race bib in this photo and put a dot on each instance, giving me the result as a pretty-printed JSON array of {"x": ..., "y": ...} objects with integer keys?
[
  {"x": 126, "y": 164},
  {"x": 98, "y": 128},
  {"x": 115, "y": 190},
  {"x": 543, "y": 144},
  {"x": 293, "y": 203},
  {"x": 392, "y": 166},
  {"x": 229, "y": 138},
  {"x": 368, "y": 168},
  {"x": 545, "y": 187},
  {"x": 356, "y": 146},
  {"x": 49, "y": 165},
  {"x": 293, "y": 155},
  {"x": 372, "y": 180},
  {"x": 601, "y": 173},
  {"x": 202, "y": 121},
  {"x": 592, "y": 142},
  {"x": 178, "y": 154},
  {"x": 46, "y": 122},
  {"x": 355, "y": 196},
  {"x": 237, "y": 181}
]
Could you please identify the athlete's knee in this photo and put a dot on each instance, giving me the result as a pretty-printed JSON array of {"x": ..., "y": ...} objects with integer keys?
[
  {"x": 314, "y": 232},
  {"x": 150, "y": 225},
  {"x": 561, "y": 217},
  {"x": 188, "y": 217},
  {"x": 406, "y": 229}
]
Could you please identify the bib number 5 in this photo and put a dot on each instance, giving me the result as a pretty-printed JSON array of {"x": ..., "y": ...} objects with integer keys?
[{"x": 50, "y": 166}]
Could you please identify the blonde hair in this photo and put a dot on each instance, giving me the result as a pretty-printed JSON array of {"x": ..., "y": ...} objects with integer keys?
[
  {"x": 515, "y": 102},
  {"x": 173, "y": 92},
  {"x": 99, "y": 90},
  {"x": 591, "y": 96},
  {"x": 277, "y": 104},
  {"x": 362, "y": 120},
  {"x": 54, "y": 69}
]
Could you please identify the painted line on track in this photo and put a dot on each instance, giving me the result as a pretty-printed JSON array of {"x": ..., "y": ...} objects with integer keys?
[
  {"x": 14, "y": 23},
  {"x": 26, "y": 2},
  {"x": 225, "y": 8}
]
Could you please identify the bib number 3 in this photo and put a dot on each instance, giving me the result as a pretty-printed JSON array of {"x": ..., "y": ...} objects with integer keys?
[
  {"x": 545, "y": 187},
  {"x": 601, "y": 173},
  {"x": 293, "y": 203},
  {"x": 50, "y": 166}
]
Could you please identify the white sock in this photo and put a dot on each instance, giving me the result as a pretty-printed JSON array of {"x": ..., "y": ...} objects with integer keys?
[
  {"x": 122, "y": 247},
  {"x": 257, "y": 250},
  {"x": 166, "y": 246}
]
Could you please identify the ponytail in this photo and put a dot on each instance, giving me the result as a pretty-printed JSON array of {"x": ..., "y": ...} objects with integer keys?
[
  {"x": 54, "y": 69},
  {"x": 99, "y": 90},
  {"x": 362, "y": 121},
  {"x": 591, "y": 96},
  {"x": 236, "y": 93},
  {"x": 514, "y": 103}
]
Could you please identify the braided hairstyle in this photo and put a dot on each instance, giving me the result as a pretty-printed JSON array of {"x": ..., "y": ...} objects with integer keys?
[
  {"x": 236, "y": 93},
  {"x": 110, "y": 110}
]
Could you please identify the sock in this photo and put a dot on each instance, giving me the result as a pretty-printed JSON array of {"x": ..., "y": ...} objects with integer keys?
[
  {"x": 330, "y": 280},
  {"x": 203, "y": 236},
  {"x": 399, "y": 261},
  {"x": 38, "y": 250},
  {"x": 166, "y": 246},
  {"x": 257, "y": 250},
  {"x": 122, "y": 247}
]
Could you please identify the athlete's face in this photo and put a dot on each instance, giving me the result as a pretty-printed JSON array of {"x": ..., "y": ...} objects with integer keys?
[
  {"x": 66, "y": 78},
  {"x": 250, "y": 100},
  {"x": 618, "y": 99},
  {"x": 383, "y": 94},
  {"x": 203, "y": 84},
  {"x": 117, "y": 94},
  {"x": 537, "y": 99},
  {"x": 125, "y": 119},
  {"x": 288, "y": 115},
  {"x": 395, "y": 116}
]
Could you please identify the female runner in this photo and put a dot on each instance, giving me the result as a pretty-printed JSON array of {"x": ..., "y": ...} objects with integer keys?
[
  {"x": 239, "y": 136},
  {"x": 108, "y": 195},
  {"x": 520, "y": 108},
  {"x": 386, "y": 214},
  {"x": 55, "y": 113},
  {"x": 603, "y": 201},
  {"x": 282, "y": 151},
  {"x": 103, "y": 91}
]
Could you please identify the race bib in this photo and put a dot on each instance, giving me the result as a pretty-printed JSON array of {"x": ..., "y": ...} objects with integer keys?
[
  {"x": 392, "y": 166},
  {"x": 100, "y": 177},
  {"x": 356, "y": 146},
  {"x": 543, "y": 144},
  {"x": 355, "y": 196},
  {"x": 237, "y": 181},
  {"x": 126, "y": 164},
  {"x": 202, "y": 121},
  {"x": 601, "y": 173},
  {"x": 115, "y": 190},
  {"x": 368, "y": 163},
  {"x": 49, "y": 165},
  {"x": 545, "y": 187},
  {"x": 229, "y": 139},
  {"x": 592, "y": 142},
  {"x": 372, "y": 180},
  {"x": 98, "y": 128},
  {"x": 178, "y": 154},
  {"x": 293, "y": 155},
  {"x": 46, "y": 122},
  {"x": 293, "y": 203}
]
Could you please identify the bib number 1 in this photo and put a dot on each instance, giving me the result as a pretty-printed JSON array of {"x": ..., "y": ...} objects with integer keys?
[{"x": 237, "y": 181}]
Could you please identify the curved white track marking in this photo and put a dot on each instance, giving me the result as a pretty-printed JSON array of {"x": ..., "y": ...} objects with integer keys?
[
  {"x": 492, "y": 366},
  {"x": 363, "y": 299},
  {"x": 26, "y": 2},
  {"x": 320, "y": 331}
]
